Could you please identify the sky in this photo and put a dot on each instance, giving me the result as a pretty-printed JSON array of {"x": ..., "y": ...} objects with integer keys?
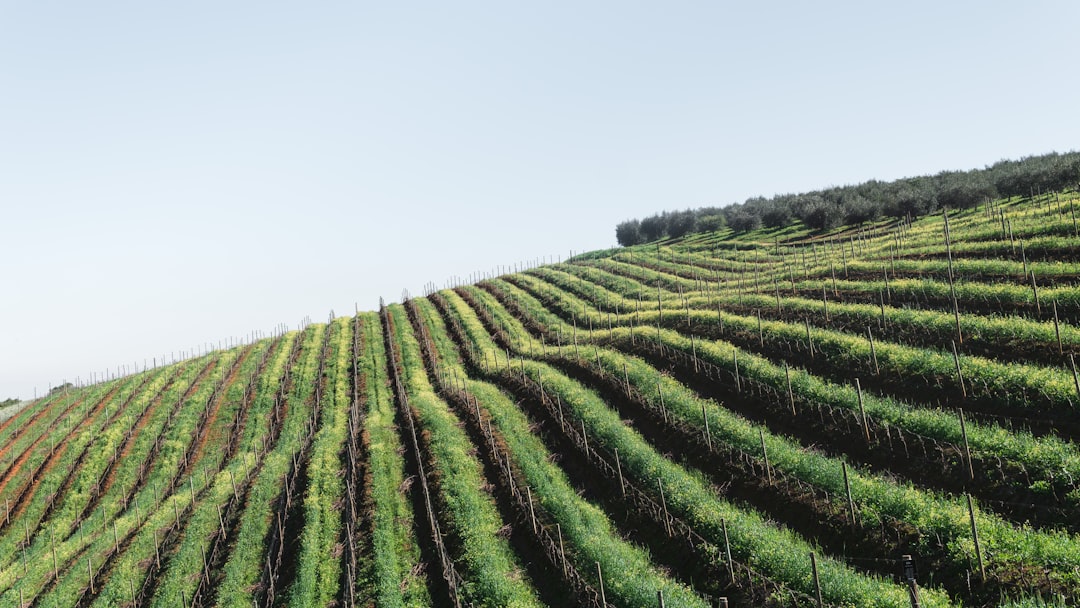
[{"x": 176, "y": 174}]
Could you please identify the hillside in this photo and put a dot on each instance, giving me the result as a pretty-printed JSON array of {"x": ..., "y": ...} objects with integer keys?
[{"x": 773, "y": 417}]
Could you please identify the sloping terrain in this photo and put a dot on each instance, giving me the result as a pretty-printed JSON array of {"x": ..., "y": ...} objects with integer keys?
[{"x": 774, "y": 418}]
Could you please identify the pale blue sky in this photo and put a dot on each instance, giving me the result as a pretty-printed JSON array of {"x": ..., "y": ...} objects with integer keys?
[{"x": 172, "y": 174}]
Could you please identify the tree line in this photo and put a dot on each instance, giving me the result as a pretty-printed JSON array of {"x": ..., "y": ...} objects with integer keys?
[{"x": 856, "y": 204}]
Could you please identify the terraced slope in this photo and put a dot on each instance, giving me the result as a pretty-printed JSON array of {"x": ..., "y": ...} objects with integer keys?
[{"x": 772, "y": 419}]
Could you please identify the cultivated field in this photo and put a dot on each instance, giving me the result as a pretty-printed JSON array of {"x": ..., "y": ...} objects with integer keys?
[{"x": 774, "y": 418}]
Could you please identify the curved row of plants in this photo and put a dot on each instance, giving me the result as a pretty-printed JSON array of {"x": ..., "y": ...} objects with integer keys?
[
  {"x": 70, "y": 531},
  {"x": 779, "y": 553},
  {"x": 1005, "y": 388},
  {"x": 1014, "y": 548},
  {"x": 493, "y": 575},
  {"x": 159, "y": 528},
  {"x": 1051, "y": 466},
  {"x": 397, "y": 570},
  {"x": 630, "y": 578},
  {"x": 1006, "y": 338},
  {"x": 243, "y": 570}
]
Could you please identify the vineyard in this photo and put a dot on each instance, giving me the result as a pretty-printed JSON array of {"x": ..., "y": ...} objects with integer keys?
[{"x": 884, "y": 415}]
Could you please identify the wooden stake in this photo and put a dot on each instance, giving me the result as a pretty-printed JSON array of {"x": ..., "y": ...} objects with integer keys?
[
  {"x": 600, "y": 577},
  {"x": 708, "y": 434},
  {"x": 532, "y": 511},
  {"x": 735, "y": 358},
  {"x": 884, "y": 321},
  {"x": 562, "y": 550},
  {"x": 1076, "y": 381},
  {"x": 221, "y": 521},
  {"x": 847, "y": 488},
  {"x": 693, "y": 347},
  {"x": 663, "y": 408},
  {"x": 862, "y": 412},
  {"x": 817, "y": 581},
  {"x": 232, "y": 482},
  {"x": 727, "y": 550},
  {"x": 967, "y": 448},
  {"x": 618, "y": 467},
  {"x": 1057, "y": 329},
  {"x": 663, "y": 502},
  {"x": 790, "y": 394},
  {"x": 959, "y": 373},
  {"x": 975, "y": 536},
  {"x": 765, "y": 455},
  {"x": 873, "y": 351},
  {"x": 1035, "y": 293}
]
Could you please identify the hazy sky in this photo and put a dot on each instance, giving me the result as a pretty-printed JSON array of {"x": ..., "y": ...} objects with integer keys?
[{"x": 175, "y": 173}]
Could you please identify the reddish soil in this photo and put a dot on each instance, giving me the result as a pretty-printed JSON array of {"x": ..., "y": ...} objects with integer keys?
[{"x": 208, "y": 427}]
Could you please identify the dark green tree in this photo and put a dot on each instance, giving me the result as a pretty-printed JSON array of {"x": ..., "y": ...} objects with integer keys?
[{"x": 628, "y": 233}]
